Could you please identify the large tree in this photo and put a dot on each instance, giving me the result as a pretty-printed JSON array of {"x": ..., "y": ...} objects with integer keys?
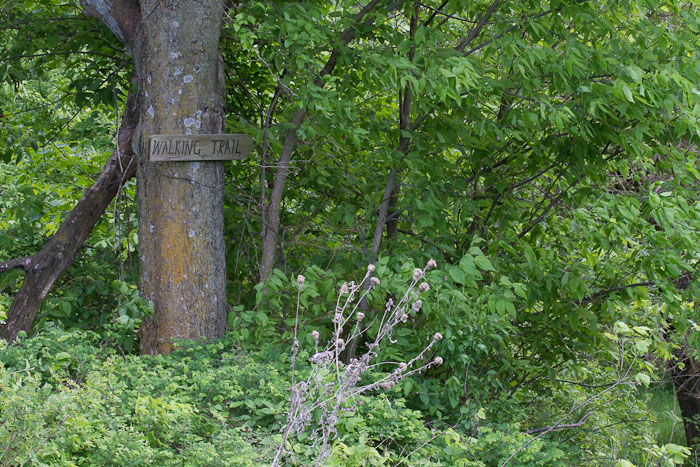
[
  {"x": 178, "y": 89},
  {"x": 175, "y": 47}
]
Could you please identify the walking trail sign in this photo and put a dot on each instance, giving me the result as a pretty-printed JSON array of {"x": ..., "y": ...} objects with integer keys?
[{"x": 200, "y": 147}]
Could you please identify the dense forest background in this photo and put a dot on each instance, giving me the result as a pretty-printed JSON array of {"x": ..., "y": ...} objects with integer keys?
[{"x": 544, "y": 154}]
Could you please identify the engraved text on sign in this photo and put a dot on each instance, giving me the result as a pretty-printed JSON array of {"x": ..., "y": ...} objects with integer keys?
[{"x": 200, "y": 147}]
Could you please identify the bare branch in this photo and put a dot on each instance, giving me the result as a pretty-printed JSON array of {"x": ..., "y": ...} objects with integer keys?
[
  {"x": 594, "y": 397},
  {"x": 17, "y": 263},
  {"x": 606, "y": 292},
  {"x": 477, "y": 29},
  {"x": 561, "y": 427}
]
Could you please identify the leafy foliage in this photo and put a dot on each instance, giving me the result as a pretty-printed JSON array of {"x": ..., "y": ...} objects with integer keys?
[{"x": 549, "y": 162}]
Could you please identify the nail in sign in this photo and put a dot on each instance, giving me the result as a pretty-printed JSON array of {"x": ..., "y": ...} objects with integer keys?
[{"x": 200, "y": 147}]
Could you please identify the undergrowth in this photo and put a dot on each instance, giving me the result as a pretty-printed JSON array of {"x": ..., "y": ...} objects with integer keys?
[{"x": 64, "y": 400}]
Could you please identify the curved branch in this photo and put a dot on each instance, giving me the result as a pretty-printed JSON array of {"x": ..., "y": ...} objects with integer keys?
[
  {"x": 43, "y": 268},
  {"x": 122, "y": 17}
]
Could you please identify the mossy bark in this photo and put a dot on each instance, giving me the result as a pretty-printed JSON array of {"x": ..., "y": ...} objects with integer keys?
[{"x": 181, "y": 221}]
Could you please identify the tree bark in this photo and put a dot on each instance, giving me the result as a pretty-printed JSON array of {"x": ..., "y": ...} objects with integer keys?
[
  {"x": 392, "y": 221},
  {"x": 43, "y": 268},
  {"x": 271, "y": 214},
  {"x": 686, "y": 382},
  {"x": 181, "y": 219}
]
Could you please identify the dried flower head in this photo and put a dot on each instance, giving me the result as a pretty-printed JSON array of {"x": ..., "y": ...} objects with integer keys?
[
  {"x": 431, "y": 264},
  {"x": 315, "y": 335},
  {"x": 437, "y": 337},
  {"x": 371, "y": 268},
  {"x": 374, "y": 281},
  {"x": 360, "y": 316},
  {"x": 404, "y": 318},
  {"x": 417, "y": 273},
  {"x": 300, "y": 279},
  {"x": 423, "y": 287},
  {"x": 344, "y": 290},
  {"x": 438, "y": 361},
  {"x": 388, "y": 385},
  {"x": 402, "y": 366},
  {"x": 416, "y": 305},
  {"x": 340, "y": 343}
]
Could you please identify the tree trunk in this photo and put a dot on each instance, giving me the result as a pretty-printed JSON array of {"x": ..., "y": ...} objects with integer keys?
[
  {"x": 271, "y": 212},
  {"x": 686, "y": 382},
  {"x": 181, "y": 219},
  {"x": 392, "y": 221},
  {"x": 43, "y": 268}
]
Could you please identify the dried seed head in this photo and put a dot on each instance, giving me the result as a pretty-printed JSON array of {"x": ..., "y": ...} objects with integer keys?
[
  {"x": 431, "y": 264},
  {"x": 438, "y": 361},
  {"x": 374, "y": 281},
  {"x": 402, "y": 366},
  {"x": 340, "y": 343},
  {"x": 423, "y": 287},
  {"x": 315, "y": 335},
  {"x": 417, "y": 273},
  {"x": 300, "y": 279},
  {"x": 404, "y": 317},
  {"x": 360, "y": 316},
  {"x": 344, "y": 289},
  {"x": 388, "y": 385},
  {"x": 371, "y": 268},
  {"x": 437, "y": 337},
  {"x": 416, "y": 305}
]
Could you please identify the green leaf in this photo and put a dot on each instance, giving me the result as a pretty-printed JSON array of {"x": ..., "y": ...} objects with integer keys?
[
  {"x": 62, "y": 356},
  {"x": 643, "y": 378},
  {"x": 628, "y": 93},
  {"x": 484, "y": 263}
]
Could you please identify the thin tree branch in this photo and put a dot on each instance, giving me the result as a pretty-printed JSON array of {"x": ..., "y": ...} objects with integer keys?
[
  {"x": 583, "y": 385},
  {"x": 606, "y": 292},
  {"x": 480, "y": 25},
  {"x": 50, "y": 54},
  {"x": 438, "y": 11},
  {"x": 546, "y": 210},
  {"x": 271, "y": 228},
  {"x": 515, "y": 26},
  {"x": 620, "y": 380},
  {"x": 561, "y": 427}
]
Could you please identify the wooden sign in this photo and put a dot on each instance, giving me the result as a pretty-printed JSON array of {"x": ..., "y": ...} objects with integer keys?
[{"x": 200, "y": 147}]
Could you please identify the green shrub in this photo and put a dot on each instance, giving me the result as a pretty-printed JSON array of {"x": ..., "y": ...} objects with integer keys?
[{"x": 64, "y": 400}]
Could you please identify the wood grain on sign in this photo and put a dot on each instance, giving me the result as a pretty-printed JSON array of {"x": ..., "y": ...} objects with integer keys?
[{"x": 200, "y": 147}]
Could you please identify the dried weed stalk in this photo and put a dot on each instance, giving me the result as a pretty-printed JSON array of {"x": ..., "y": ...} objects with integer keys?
[{"x": 333, "y": 388}]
